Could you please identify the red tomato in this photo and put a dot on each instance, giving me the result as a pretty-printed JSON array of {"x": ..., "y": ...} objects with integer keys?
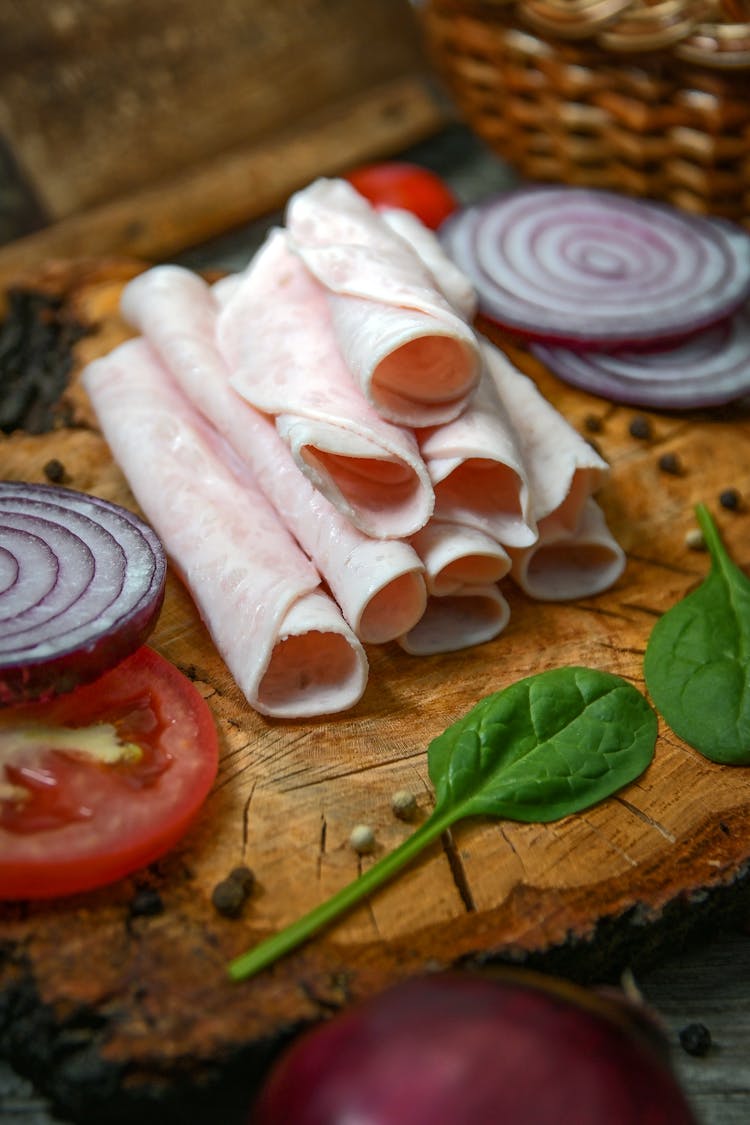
[
  {"x": 70, "y": 821},
  {"x": 408, "y": 186}
]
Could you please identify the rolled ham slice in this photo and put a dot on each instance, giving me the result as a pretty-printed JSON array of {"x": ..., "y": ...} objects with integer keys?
[
  {"x": 477, "y": 470},
  {"x": 276, "y": 336},
  {"x": 456, "y": 556},
  {"x": 562, "y": 468},
  {"x": 378, "y": 584},
  {"x": 575, "y": 554},
  {"x": 570, "y": 563},
  {"x": 471, "y": 615},
  {"x": 453, "y": 283},
  {"x": 284, "y": 641},
  {"x": 415, "y": 359}
]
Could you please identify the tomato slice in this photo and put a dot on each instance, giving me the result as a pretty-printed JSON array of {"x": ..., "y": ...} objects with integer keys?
[
  {"x": 102, "y": 781},
  {"x": 409, "y": 186}
]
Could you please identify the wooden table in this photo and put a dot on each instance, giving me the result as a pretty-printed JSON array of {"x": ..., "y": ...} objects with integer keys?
[{"x": 709, "y": 983}]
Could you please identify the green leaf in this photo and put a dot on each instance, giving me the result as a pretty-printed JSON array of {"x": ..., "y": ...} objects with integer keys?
[
  {"x": 697, "y": 662},
  {"x": 543, "y": 748}
]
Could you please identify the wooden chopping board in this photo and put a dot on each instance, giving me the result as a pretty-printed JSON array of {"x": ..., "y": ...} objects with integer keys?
[{"x": 125, "y": 1016}]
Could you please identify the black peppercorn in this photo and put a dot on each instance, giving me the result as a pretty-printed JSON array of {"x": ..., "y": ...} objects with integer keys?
[
  {"x": 146, "y": 903},
  {"x": 229, "y": 896},
  {"x": 640, "y": 427},
  {"x": 670, "y": 463},
  {"x": 54, "y": 470},
  {"x": 730, "y": 499},
  {"x": 695, "y": 1039},
  {"x": 244, "y": 876}
]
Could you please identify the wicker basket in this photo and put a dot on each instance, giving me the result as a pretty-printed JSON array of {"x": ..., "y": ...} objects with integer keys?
[{"x": 648, "y": 97}]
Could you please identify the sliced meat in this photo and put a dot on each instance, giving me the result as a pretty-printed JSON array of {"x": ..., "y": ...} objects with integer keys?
[
  {"x": 456, "y": 556},
  {"x": 477, "y": 470},
  {"x": 562, "y": 468},
  {"x": 284, "y": 641},
  {"x": 453, "y": 283},
  {"x": 575, "y": 555},
  {"x": 570, "y": 563},
  {"x": 415, "y": 359},
  {"x": 468, "y": 616},
  {"x": 276, "y": 336},
  {"x": 378, "y": 584}
]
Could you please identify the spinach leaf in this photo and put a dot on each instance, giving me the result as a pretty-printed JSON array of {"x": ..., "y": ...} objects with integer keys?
[
  {"x": 697, "y": 662},
  {"x": 543, "y": 748}
]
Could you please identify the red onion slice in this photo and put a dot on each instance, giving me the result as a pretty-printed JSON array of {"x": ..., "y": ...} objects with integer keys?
[
  {"x": 594, "y": 269},
  {"x": 709, "y": 369},
  {"x": 81, "y": 586}
]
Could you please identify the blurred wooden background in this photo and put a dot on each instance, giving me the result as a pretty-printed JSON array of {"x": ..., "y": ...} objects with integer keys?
[{"x": 146, "y": 126}]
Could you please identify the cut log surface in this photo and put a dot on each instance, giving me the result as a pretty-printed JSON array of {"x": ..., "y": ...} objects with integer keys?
[{"x": 120, "y": 1014}]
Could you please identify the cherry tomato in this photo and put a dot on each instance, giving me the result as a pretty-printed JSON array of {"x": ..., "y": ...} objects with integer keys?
[
  {"x": 101, "y": 781},
  {"x": 409, "y": 186}
]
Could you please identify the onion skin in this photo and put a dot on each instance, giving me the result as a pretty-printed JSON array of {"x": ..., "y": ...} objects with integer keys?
[{"x": 511, "y": 1048}]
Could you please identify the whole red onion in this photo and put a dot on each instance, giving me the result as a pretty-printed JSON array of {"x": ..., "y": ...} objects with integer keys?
[{"x": 510, "y": 1048}]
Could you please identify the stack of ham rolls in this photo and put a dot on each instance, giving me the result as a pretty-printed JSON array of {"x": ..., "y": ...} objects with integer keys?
[{"x": 333, "y": 456}]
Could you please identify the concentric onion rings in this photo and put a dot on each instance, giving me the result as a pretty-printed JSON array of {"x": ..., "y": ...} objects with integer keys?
[
  {"x": 709, "y": 369},
  {"x": 594, "y": 269},
  {"x": 81, "y": 586}
]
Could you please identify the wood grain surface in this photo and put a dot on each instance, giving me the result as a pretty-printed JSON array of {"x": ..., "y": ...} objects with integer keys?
[{"x": 125, "y": 1014}]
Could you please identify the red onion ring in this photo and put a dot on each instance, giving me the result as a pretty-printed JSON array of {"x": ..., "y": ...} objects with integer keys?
[
  {"x": 593, "y": 269},
  {"x": 81, "y": 587},
  {"x": 709, "y": 369}
]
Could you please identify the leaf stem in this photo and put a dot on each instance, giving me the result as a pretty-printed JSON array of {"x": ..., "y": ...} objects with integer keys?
[
  {"x": 710, "y": 532},
  {"x": 279, "y": 944}
]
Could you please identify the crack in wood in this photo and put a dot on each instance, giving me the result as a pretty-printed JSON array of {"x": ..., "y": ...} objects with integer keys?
[
  {"x": 368, "y": 903},
  {"x": 638, "y": 607},
  {"x": 649, "y": 820},
  {"x": 668, "y": 736},
  {"x": 634, "y": 650},
  {"x": 512, "y": 847},
  {"x": 246, "y": 819},
  {"x": 458, "y": 871},
  {"x": 661, "y": 564},
  {"x": 366, "y": 767},
  {"x": 229, "y": 755},
  {"x": 597, "y": 831},
  {"x": 600, "y": 611},
  {"x": 321, "y": 844},
  {"x": 280, "y": 746}
]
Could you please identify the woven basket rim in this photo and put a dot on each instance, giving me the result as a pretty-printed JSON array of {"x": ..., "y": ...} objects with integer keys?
[{"x": 712, "y": 33}]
